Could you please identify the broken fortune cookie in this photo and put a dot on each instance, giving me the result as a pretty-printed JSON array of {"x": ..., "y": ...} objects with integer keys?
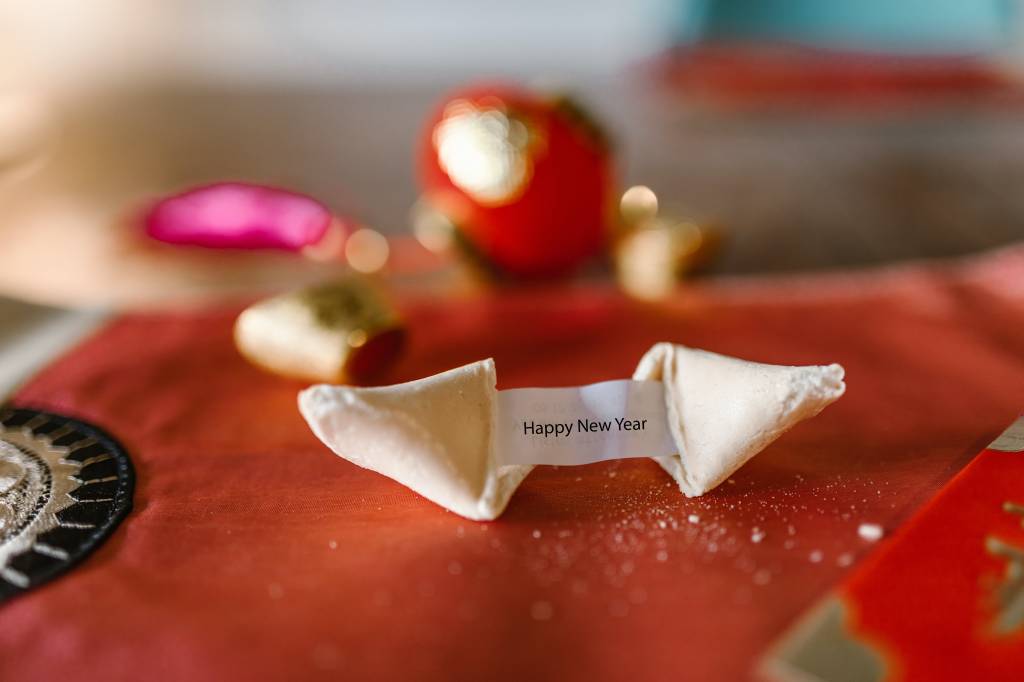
[{"x": 440, "y": 435}]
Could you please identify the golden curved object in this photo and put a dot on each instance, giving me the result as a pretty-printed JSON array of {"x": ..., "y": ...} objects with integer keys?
[{"x": 340, "y": 332}]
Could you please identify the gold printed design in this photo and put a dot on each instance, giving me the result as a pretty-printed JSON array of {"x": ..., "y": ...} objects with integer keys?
[
  {"x": 346, "y": 304},
  {"x": 825, "y": 646},
  {"x": 1009, "y": 594},
  {"x": 485, "y": 150},
  {"x": 1012, "y": 439}
]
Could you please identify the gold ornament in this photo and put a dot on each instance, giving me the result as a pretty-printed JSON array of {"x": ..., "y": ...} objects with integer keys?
[
  {"x": 338, "y": 332},
  {"x": 655, "y": 252}
]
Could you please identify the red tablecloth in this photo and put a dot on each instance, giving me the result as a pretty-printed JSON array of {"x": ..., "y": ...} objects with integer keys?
[{"x": 253, "y": 553}]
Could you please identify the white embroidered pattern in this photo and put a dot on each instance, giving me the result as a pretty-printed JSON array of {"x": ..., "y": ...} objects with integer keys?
[{"x": 36, "y": 480}]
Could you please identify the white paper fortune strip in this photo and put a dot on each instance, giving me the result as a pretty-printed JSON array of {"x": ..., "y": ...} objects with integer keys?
[
  {"x": 583, "y": 424},
  {"x": 458, "y": 441}
]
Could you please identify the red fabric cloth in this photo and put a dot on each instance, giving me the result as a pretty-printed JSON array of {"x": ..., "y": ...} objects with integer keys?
[
  {"x": 779, "y": 74},
  {"x": 253, "y": 553}
]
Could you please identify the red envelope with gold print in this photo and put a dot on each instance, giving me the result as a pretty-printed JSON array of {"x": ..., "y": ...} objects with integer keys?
[{"x": 942, "y": 600}]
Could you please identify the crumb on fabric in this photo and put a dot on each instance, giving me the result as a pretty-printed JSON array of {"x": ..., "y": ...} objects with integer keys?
[{"x": 871, "y": 532}]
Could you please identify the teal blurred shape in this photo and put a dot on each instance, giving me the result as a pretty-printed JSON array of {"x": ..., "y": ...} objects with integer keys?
[{"x": 883, "y": 26}]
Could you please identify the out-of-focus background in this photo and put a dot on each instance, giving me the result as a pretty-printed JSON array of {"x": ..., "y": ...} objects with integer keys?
[{"x": 819, "y": 135}]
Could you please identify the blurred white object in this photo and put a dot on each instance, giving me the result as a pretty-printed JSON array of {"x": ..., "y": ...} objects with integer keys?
[
  {"x": 32, "y": 336},
  {"x": 26, "y": 130},
  {"x": 74, "y": 43}
]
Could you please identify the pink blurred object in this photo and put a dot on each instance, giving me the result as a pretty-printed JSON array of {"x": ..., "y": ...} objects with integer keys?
[{"x": 237, "y": 215}]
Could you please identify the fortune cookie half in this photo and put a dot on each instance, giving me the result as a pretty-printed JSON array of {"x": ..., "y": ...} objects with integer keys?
[
  {"x": 434, "y": 435},
  {"x": 722, "y": 410}
]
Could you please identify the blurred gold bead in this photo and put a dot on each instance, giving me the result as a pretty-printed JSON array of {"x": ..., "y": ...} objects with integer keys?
[
  {"x": 638, "y": 204},
  {"x": 651, "y": 261},
  {"x": 342, "y": 331},
  {"x": 356, "y": 338},
  {"x": 366, "y": 250},
  {"x": 432, "y": 228}
]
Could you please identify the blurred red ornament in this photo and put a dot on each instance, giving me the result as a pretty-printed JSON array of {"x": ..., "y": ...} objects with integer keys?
[{"x": 526, "y": 180}]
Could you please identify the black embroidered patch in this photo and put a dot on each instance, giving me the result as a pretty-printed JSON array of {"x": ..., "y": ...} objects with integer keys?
[{"x": 64, "y": 487}]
